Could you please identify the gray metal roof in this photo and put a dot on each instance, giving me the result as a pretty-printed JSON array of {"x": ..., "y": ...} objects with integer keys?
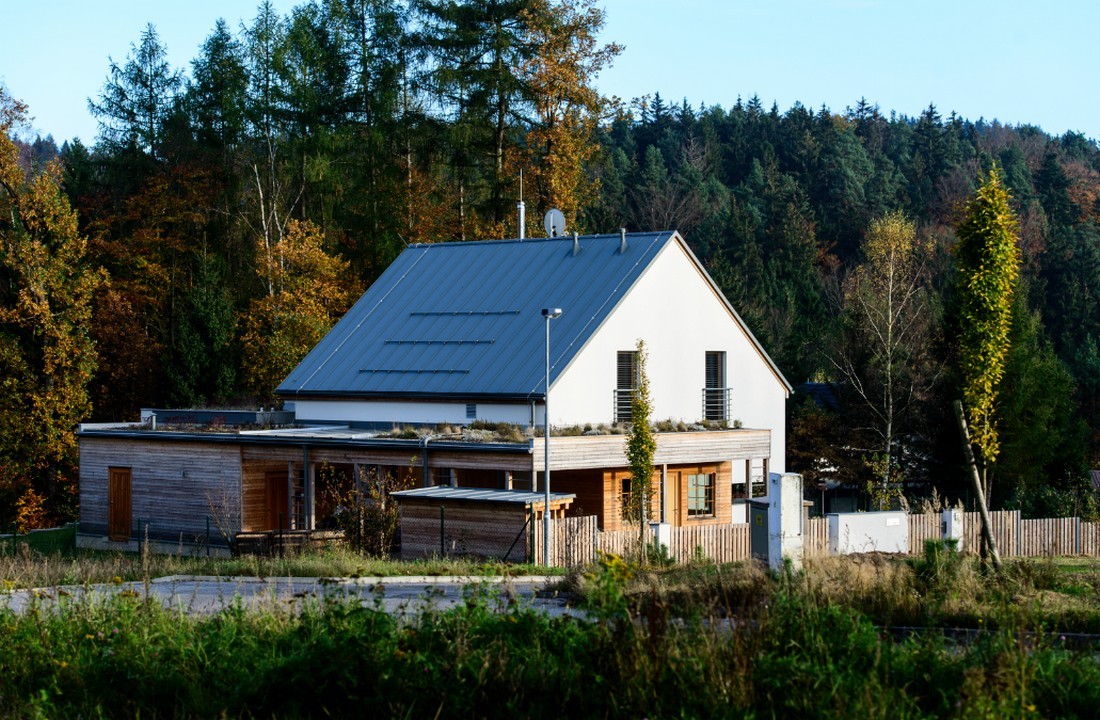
[
  {"x": 464, "y": 319},
  {"x": 445, "y": 492}
]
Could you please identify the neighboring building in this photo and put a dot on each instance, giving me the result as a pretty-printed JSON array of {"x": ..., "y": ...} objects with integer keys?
[{"x": 453, "y": 333}]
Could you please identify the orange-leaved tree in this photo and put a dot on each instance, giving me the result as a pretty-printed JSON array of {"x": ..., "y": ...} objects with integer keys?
[
  {"x": 308, "y": 290},
  {"x": 47, "y": 356}
]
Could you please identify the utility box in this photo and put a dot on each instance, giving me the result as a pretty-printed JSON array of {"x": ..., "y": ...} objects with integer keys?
[
  {"x": 758, "y": 534},
  {"x": 868, "y": 532},
  {"x": 785, "y": 520},
  {"x": 953, "y": 526},
  {"x": 662, "y": 535}
]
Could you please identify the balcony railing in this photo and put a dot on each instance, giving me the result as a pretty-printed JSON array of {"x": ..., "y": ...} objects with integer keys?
[
  {"x": 622, "y": 399},
  {"x": 716, "y": 404}
]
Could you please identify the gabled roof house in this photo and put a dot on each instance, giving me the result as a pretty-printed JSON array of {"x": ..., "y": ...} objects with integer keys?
[{"x": 453, "y": 334}]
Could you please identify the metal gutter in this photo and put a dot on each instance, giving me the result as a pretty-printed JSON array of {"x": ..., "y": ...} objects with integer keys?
[
  {"x": 299, "y": 441},
  {"x": 407, "y": 395}
]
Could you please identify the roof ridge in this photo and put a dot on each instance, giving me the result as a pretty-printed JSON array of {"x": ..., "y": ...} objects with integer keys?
[{"x": 561, "y": 238}]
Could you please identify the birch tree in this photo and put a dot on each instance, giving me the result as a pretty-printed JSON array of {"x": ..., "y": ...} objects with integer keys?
[{"x": 889, "y": 316}]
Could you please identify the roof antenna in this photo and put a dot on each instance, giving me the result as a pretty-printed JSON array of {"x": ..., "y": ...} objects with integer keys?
[
  {"x": 521, "y": 208},
  {"x": 554, "y": 222},
  {"x": 576, "y": 245},
  {"x": 622, "y": 240}
]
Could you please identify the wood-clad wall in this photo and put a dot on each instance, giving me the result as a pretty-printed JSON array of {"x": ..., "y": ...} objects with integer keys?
[
  {"x": 611, "y": 519},
  {"x": 587, "y": 485},
  {"x": 176, "y": 486},
  {"x": 479, "y": 529},
  {"x": 254, "y": 497},
  {"x": 673, "y": 448}
]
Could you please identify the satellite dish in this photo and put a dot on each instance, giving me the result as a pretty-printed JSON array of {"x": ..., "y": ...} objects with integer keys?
[{"x": 554, "y": 222}]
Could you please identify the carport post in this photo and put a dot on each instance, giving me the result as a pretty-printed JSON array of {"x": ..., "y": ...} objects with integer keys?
[{"x": 442, "y": 550}]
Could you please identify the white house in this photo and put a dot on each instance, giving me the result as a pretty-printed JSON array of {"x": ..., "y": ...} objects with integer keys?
[{"x": 454, "y": 333}]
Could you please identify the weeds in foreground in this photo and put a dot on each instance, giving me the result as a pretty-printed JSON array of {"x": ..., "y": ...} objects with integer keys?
[
  {"x": 793, "y": 652},
  {"x": 27, "y": 569}
]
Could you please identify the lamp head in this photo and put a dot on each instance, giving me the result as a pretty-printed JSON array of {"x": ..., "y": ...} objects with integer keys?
[{"x": 551, "y": 313}]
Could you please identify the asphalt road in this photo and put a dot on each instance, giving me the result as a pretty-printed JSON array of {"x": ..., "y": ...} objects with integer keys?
[{"x": 397, "y": 595}]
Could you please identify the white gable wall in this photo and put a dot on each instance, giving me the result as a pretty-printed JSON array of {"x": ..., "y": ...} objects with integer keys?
[{"x": 675, "y": 311}]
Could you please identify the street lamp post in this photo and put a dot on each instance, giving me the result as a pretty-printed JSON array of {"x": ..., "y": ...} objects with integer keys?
[{"x": 549, "y": 314}]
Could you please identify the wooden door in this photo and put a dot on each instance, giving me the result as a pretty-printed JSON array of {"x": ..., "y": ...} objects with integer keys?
[
  {"x": 119, "y": 503},
  {"x": 672, "y": 497},
  {"x": 278, "y": 509}
]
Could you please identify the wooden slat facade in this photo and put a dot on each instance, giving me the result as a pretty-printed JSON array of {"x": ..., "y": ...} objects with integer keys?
[
  {"x": 478, "y": 529},
  {"x": 677, "y": 448},
  {"x": 175, "y": 486}
]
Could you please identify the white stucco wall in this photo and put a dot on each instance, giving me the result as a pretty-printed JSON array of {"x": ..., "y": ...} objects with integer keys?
[
  {"x": 400, "y": 412},
  {"x": 680, "y": 317}
]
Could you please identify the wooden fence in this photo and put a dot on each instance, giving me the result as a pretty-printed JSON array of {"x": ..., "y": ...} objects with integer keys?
[{"x": 577, "y": 540}]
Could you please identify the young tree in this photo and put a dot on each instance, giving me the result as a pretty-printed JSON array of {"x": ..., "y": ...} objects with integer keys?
[
  {"x": 987, "y": 262},
  {"x": 640, "y": 446},
  {"x": 885, "y": 353},
  {"x": 46, "y": 354}
]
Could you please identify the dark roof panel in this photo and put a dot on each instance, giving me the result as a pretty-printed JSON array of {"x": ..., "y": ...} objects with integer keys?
[{"x": 465, "y": 318}]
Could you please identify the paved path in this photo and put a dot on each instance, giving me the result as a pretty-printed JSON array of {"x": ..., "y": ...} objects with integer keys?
[{"x": 397, "y": 595}]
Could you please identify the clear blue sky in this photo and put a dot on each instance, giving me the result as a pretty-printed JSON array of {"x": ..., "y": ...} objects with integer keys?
[{"x": 1018, "y": 62}]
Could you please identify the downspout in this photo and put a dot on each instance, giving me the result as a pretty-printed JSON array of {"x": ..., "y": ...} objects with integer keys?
[
  {"x": 307, "y": 490},
  {"x": 424, "y": 451}
]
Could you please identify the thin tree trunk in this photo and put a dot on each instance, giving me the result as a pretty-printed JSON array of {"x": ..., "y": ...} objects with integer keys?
[{"x": 968, "y": 452}]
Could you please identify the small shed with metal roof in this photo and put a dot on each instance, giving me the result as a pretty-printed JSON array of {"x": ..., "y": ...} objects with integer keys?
[{"x": 499, "y": 524}]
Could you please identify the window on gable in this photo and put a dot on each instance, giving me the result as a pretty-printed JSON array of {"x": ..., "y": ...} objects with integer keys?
[
  {"x": 626, "y": 376},
  {"x": 715, "y": 392},
  {"x": 701, "y": 495}
]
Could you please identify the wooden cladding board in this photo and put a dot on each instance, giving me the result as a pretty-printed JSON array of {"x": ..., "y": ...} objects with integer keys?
[
  {"x": 602, "y": 451},
  {"x": 481, "y": 529},
  {"x": 676, "y": 500},
  {"x": 175, "y": 486},
  {"x": 438, "y": 456},
  {"x": 255, "y": 510}
]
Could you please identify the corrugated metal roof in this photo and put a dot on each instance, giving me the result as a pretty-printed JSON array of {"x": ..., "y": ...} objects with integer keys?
[
  {"x": 464, "y": 319},
  {"x": 446, "y": 492}
]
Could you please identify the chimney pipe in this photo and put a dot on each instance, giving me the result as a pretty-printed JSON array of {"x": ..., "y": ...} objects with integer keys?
[
  {"x": 576, "y": 245},
  {"x": 622, "y": 240},
  {"x": 522, "y": 218}
]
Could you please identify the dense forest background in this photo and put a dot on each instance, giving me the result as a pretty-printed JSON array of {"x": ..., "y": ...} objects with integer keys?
[{"x": 227, "y": 215}]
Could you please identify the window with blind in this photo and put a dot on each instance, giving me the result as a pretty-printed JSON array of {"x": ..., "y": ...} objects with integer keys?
[
  {"x": 715, "y": 393},
  {"x": 626, "y": 376}
]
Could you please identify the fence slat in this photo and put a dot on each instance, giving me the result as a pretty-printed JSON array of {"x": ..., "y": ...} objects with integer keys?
[{"x": 577, "y": 540}]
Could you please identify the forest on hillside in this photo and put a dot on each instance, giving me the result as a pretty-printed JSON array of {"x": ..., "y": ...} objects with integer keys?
[{"x": 228, "y": 213}]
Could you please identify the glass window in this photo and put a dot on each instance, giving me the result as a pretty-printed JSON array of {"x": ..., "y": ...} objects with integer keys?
[{"x": 701, "y": 495}]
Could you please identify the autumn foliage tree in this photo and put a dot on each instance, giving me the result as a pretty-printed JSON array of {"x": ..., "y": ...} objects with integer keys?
[
  {"x": 561, "y": 73},
  {"x": 46, "y": 354},
  {"x": 988, "y": 264},
  {"x": 309, "y": 290},
  {"x": 889, "y": 317}
]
